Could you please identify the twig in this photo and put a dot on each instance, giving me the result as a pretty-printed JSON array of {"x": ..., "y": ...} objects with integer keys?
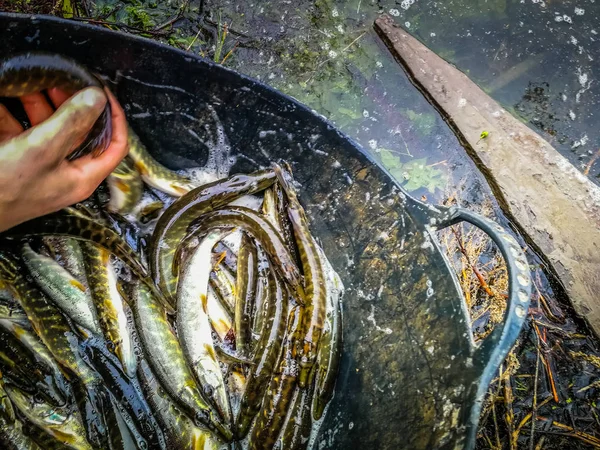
[
  {"x": 404, "y": 141},
  {"x": 594, "y": 360},
  {"x": 534, "y": 408},
  {"x": 220, "y": 259},
  {"x": 489, "y": 441},
  {"x": 550, "y": 373},
  {"x": 463, "y": 250},
  {"x": 585, "y": 437},
  {"x": 468, "y": 293},
  {"x": 437, "y": 163},
  {"x": 590, "y": 163},
  {"x": 527, "y": 418},
  {"x": 545, "y": 304},
  {"x": 221, "y": 36},
  {"x": 107, "y": 14},
  {"x": 509, "y": 416},
  {"x": 194, "y": 40},
  {"x": 552, "y": 327},
  {"x": 84, "y": 7},
  {"x": 405, "y": 146},
  {"x": 358, "y": 8},
  {"x": 496, "y": 424},
  {"x": 174, "y": 18},
  {"x": 546, "y": 362},
  {"x": 230, "y": 30},
  {"x": 230, "y": 52},
  {"x": 540, "y": 443},
  {"x": 595, "y": 384}
]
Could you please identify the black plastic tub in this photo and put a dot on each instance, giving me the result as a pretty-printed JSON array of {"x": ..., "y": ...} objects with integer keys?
[{"x": 411, "y": 376}]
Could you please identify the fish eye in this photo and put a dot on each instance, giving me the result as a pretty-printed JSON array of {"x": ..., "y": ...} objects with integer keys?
[
  {"x": 202, "y": 417},
  {"x": 208, "y": 390}
]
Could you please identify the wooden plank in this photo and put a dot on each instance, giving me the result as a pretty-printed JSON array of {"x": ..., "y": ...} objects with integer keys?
[{"x": 554, "y": 205}]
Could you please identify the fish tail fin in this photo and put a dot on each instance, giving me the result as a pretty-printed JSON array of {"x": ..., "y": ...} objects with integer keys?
[
  {"x": 124, "y": 434},
  {"x": 125, "y": 393},
  {"x": 91, "y": 399}
]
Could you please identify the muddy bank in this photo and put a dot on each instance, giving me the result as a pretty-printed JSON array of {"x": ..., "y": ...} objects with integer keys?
[{"x": 551, "y": 202}]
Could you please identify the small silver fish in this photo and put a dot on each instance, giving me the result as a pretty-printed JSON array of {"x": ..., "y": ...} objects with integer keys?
[{"x": 65, "y": 291}]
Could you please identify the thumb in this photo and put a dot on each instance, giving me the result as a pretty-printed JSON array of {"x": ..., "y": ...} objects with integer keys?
[{"x": 52, "y": 140}]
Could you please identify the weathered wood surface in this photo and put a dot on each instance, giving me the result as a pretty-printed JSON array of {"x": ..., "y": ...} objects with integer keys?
[{"x": 555, "y": 206}]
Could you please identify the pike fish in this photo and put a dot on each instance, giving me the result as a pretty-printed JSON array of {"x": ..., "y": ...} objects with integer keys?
[
  {"x": 12, "y": 436},
  {"x": 67, "y": 292},
  {"x": 67, "y": 252},
  {"x": 313, "y": 314},
  {"x": 330, "y": 349},
  {"x": 28, "y": 364},
  {"x": 247, "y": 277},
  {"x": 180, "y": 430},
  {"x": 298, "y": 426},
  {"x": 55, "y": 332},
  {"x": 63, "y": 425},
  {"x": 31, "y": 72},
  {"x": 72, "y": 223},
  {"x": 280, "y": 392},
  {"x": 194, "y": 327},
  {"x": 153, "y": 173},
  {"x": 165, "y": 356},
  {"x": 172, "y": 225},
  {"x": 109, "y": 304},
  {"x": 268, "y": 350},
  {"x": 260, "y": 229},
  {"x": 126, "y": 186}
]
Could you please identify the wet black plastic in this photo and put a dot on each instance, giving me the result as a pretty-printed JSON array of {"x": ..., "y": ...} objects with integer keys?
[{"x": 410, "y": 376}]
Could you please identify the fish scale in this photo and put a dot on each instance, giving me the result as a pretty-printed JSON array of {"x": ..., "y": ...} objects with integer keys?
[
  {"x": 193, "y": 324},
  {"x": 126, "y": 188},
  {"x": 109, "y": 304},
  {"x": 12, "y": 436},
  {"x": 330, "y": 348},
  {"x": 48, "y": 322},
  {"x": 58, "y": 284},
  {"x": 65, "y": 426},
  {"x": 247, "y": 276},
  {"x": 181, "y": 432},
  {"x": 19, "y": 359},
  {"x": 296, "y": 431}
]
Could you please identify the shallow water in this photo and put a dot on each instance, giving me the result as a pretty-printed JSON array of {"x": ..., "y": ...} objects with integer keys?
[{"x": 538, "y": 59}]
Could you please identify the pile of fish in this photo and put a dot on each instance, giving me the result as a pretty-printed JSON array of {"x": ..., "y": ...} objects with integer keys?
[{"x": 192, "y": 324}]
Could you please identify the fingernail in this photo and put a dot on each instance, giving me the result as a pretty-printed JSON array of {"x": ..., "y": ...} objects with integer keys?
[{"x": 91, "y": 97}]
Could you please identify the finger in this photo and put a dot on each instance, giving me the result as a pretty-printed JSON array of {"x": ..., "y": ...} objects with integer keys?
[
  {"x": 51, "y": 141},
  {"x": 9, "y": 126},
  {"x": 98, "y": 168},
  {"x": 37, "y": 107},
  {"x": 58, "y": 96}
]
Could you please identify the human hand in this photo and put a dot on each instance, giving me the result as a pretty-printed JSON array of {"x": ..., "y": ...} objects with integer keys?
[{"x": 35, "y": 177}]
